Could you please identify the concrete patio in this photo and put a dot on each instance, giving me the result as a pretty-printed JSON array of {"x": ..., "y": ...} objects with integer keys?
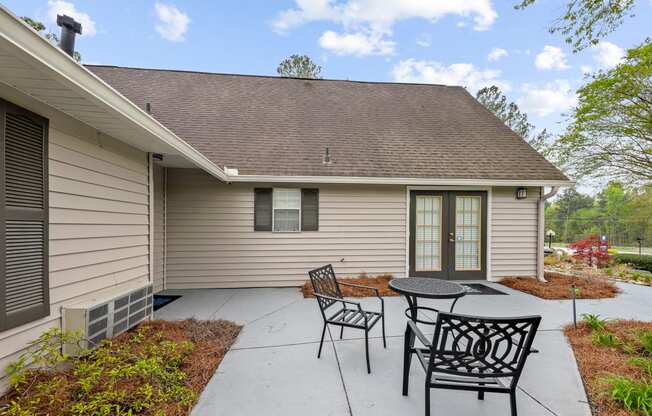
[{"x": 273, "y": 370}]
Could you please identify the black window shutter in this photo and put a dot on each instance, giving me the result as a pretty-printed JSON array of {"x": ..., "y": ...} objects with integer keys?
[
  {"x": 24, "y": 287},
  {"x": 263, "y": 209},
  {"x": 309, "y": 209}
]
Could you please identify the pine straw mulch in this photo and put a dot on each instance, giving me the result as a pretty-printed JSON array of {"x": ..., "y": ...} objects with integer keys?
[
  {"x": 597, "y": 362},
  {"x": 559, "y": 286},
  {"x": 199, "y": 347},
  {"x": 380, "y": 282}
]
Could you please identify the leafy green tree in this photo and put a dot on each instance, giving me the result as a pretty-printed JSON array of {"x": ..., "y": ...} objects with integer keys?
[
  {"x": 623, "y": 214},
  {"x": 610, "y": 134},
  {"x": 585, "y": 22},
  {"x": 299, "y": 66},
  {"x": 496, "y": 102},
  {"x": 52, "y": 37}
]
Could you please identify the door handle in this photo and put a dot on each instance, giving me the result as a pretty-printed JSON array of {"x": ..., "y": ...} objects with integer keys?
[{"x": 451, "y": 237}]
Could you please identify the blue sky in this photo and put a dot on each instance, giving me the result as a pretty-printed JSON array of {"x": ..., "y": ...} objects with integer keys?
[{"x": 470, "y": 42}]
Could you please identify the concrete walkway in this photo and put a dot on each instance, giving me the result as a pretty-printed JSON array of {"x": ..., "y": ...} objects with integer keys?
[{"x": 273, "y": 370}]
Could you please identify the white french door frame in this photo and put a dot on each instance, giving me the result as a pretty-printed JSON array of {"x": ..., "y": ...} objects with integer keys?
[{"x": 487, "y": 189}]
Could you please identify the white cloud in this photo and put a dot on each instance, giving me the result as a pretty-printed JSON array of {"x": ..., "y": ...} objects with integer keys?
[
  {"x": 608, "y": 54},
  {"x": 56, "y": 7},
  {"x": 383, "y": 13},
  {"x": 424, "y": 40},
  {"x": 553, "y": 97},
  {"x": 586, "y": 69},
  {"x": 496, "y": 54},
  {"x": 551, "y": 57},
  {"x": 375, "y": 19},
  {"x": 464, "y": 74},
  {"x": 172, "y": 22},
  {"x": 357, "y": 44}
]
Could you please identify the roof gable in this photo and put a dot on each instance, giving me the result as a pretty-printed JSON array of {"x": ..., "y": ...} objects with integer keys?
[{"x": 281, "y": 126}]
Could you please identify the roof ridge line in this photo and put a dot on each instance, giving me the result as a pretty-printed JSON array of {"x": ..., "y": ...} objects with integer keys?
[{"x": 188, "y": 71}]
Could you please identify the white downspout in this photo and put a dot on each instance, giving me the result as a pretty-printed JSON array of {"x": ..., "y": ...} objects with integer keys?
[{"x": 541, "y": 230}]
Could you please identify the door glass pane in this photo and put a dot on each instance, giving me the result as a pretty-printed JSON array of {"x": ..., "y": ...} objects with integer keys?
[
  {"x": 427, "y": 239},
  {"x": 468, "y": 237}
]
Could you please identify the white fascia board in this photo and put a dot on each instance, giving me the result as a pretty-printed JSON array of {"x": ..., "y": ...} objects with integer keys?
[
  {"x": 396, "y": 181},
  {"x": 72, "y": 74}
]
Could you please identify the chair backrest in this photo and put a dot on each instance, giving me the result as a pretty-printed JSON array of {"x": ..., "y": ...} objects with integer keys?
[
  {"x": 482, "y": 347},
  {"x": 324, "y": 283}
]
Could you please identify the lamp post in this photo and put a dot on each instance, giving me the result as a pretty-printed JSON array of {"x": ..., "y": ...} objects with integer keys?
[
  {"x": 550, "y": 234},
  {"x": 639, "y": 240}
]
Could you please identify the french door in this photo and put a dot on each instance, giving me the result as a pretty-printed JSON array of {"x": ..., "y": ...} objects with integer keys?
[{"x": 448, "y": 235}]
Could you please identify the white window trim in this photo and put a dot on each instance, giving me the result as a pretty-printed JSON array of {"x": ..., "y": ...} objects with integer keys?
[{"x": 274, "y": 211}]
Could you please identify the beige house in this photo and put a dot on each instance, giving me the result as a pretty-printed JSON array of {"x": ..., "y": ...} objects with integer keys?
[{"x": 113, "y": 179}]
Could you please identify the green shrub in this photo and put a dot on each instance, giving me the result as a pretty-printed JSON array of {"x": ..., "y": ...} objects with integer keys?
[
  {"x": 640, "y": 262},
  {"x": 645, "y": 339},
  {"x": 635, "y": 396},
  {"x": 644, "y": 363},
  {"x": 606, "y": 339},
  {"x": 594, "y": 321}
]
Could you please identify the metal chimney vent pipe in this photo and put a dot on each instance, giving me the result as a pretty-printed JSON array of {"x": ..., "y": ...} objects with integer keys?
[{"x": 69, "y": 28}]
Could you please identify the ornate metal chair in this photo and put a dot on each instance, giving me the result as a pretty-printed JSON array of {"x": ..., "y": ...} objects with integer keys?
[
  {"x": 473, "y": 353},
  {"x": 326, "y": 289}
]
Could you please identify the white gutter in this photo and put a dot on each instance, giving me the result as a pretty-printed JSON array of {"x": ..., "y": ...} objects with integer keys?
[
  {"x": 27, "y": 40},
  {"x": 396, "y": 181},
  {"x": 541, "y": 219}
]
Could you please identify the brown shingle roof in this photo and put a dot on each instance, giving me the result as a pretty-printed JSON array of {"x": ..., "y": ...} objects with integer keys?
[{"x": 280, "y": 126}]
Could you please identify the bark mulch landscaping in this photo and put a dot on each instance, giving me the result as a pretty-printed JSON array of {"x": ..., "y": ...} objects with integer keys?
[
  {"x": 379, "y": 282},
  {"x": 559, "y": 286},
  {"x": 615, "y": 362},
  {"x": 158, "y": 368}
]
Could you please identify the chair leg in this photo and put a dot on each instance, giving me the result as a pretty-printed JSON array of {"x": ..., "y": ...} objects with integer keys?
[
  {"x": 512, "y": 402},
  {"x": 481, "y": 393},
  {"x": 341, "y": 332},
  {"x": 427, "y": 400},
  {"x": 382, "y": 319},
  {"x": 323, "y": 332},
  {"x": 407, "y": 359},
  {"x": 366, "y": 349}
]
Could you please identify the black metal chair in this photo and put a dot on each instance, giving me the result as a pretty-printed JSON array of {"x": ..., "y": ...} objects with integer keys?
[
  {"x": 326, "y": 289},
  {"x": 472, "y": 353}
]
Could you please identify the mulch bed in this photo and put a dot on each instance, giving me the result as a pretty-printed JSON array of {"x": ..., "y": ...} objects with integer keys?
[
  {"x": 559, "y": 286},
  {"x": 380, "y": 282},
  {"x": 597, "y": 362},
  {"x": 201, "y": 346}
]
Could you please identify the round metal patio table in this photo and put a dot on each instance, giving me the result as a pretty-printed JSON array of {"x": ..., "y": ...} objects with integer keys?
[{"x": 426, "y": 287}]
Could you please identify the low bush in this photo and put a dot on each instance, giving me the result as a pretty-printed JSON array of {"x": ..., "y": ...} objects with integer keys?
[
  {"x": 635, "y": 396},
  {"x": 643, "y": 262},
  {"x": 157, "y": 369}
]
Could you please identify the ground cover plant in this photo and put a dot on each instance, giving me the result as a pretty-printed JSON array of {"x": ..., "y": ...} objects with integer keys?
[
  {"x": 380, "y": 282},
  {"x": 559, "y": 286},
  {"x": 615, "y": 361},
  {"x": 619, "y": 267},
  {"x": 159, "y": 368}
]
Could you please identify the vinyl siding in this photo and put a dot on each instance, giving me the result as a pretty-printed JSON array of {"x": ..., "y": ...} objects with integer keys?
[
  {"x": 211, "y": 242},
  {"x": 159, "y": 228},
  {"x": 514, "y": 233},
  {"x": 99, "y": 215}
]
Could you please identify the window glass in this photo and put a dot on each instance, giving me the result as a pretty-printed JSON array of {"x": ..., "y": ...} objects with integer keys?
[{"x": 287, "y": 210}]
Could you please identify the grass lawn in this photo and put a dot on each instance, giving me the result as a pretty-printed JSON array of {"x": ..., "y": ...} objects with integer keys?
[
  {"x": 615, "y": 361},
  {"x": 559, "y": 286},
  {"x": 158, "y": 368}
]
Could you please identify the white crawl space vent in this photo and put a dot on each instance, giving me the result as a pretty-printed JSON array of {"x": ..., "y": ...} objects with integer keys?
[{"x": 108, "y": 317}]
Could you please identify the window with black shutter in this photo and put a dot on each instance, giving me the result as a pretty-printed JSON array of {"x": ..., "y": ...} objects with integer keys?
[
  {"x": 24, "y": 289},
  {"x": 286, "y": 209},
  {"x": 309, "y": 209}
]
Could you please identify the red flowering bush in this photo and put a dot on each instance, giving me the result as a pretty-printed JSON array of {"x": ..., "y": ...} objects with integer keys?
[{"x": 592, "y": 251}]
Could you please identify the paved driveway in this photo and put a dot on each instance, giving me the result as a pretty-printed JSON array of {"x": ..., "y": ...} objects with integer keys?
[{"x": 273, "y": 370}]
